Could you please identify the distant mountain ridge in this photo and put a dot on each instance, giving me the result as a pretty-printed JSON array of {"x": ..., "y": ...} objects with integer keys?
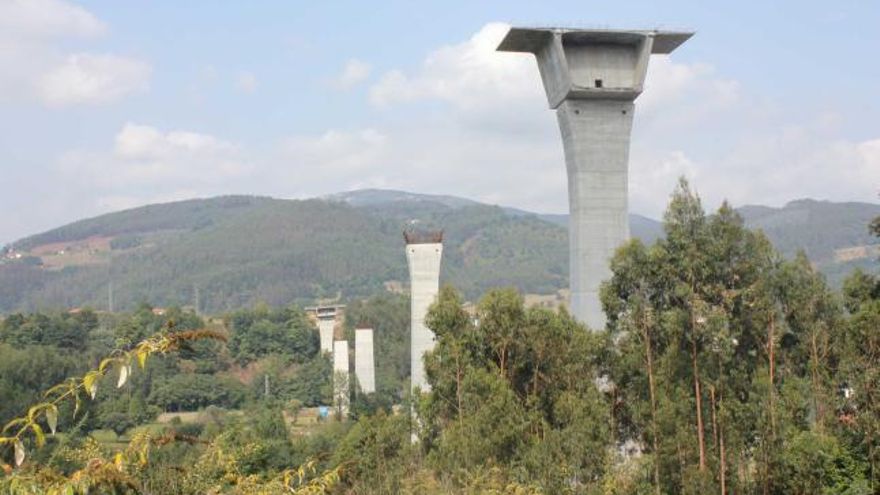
[
  {"x": 373, "y": 197},
  {"x": 238, "y": 250},
  {"x": 643, "y": 227}
]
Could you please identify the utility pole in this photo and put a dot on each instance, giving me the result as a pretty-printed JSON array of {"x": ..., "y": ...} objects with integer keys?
[{"x": 196, "y": 297}]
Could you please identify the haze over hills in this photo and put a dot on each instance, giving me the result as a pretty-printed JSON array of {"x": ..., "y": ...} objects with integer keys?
[{"x": 233, "y": 251}]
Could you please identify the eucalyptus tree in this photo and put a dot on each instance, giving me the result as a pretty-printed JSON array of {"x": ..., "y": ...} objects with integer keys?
[
  {"x": 859, "y": 371},
  {"x": 514, "y": 388},
  {"x": 707, "y": 309}
]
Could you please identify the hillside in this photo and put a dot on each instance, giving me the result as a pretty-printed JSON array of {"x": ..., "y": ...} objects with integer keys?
[
  {"x": 241, "y": 250},
  {"x": 232, "y": 251}
]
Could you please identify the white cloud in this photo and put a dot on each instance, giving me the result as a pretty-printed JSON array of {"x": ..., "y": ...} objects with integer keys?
[
  {"x": 46, "y": 19},
  {"x": 90, "y": 78},
  {"x": 338, "y": 159},
  {"x": 499, "y": 134},
  {"x": 494, "y": 139},
  {"x": 488, "y": 134},
  {"x": 36, "y": 65},
  {"x": 797, "y": 162},
  {"x": 148, "y": 159},
  {"x": 246, "y": 82},
  {"x": 653, "y": 176},
  {"x": 468, "y": 75},
  {"x": 870, "y": 154},
  {"x": 436, "y": 159},
  {"x": 124, "y": 202},
  {"x": 685, "y": 92},
  {"x": 792, "y": 163},
  {"x": 355, "y": 72}
]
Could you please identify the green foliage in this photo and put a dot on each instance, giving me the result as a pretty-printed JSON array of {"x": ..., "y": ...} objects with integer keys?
[
  {"x": 118, "y": 422},
  {"x": 310, "y": 383},
  {"x": 189, "y": 392},
  {"x": 61, "y": 330},
  {"x": 860, "y": 288},
  {"x": 732, "y": 368},
  {"x": 389, "y": 317},
  {"x": 143, "y": 322},
  {"x": 26, "y": 372},
  {"x": 262, "y": 332},
  {"x": 126, "y": 242},
  {"x": 816, "y": 227},
  {"x": 875, "y": 226},
  {"x": 283, "y": 344},
  {"x": 185, "y": 215},
  {"x": 859, "y": 373},
  {"x": 239, "y": 250},
  {"x": 17, "y": 435},
  {"x": 376, "y": 453},
  {"x": 518, "y": 389},
  {"x": 813, "y": 462},
  {"x": 716, "y": 331}
]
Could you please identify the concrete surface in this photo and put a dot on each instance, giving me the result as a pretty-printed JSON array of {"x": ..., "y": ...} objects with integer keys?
[
  {"x": 340, "y": 377},
  {"x": 591, "y": 78},
  {"x": 364, "y": 367},
  {"x": 424, "y": 275}
]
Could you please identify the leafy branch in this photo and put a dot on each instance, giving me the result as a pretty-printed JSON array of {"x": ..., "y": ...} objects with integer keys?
[{"x": 73, "y": 389}]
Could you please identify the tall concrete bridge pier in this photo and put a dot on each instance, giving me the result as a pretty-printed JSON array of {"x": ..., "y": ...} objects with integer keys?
[
  {"x": 364, "y": 367},
  {"x": 328, "y": 318},
  {"x": 423, "y": 253},
  {"x": 341, "y": 387},
  {"x": 592, "y": 77}
]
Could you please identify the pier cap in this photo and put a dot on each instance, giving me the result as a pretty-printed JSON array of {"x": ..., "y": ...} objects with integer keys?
[
  {"x": 531, "y": 40},
  {"x": 423, "y": 236},
  {"x": 578, "y": 64}
]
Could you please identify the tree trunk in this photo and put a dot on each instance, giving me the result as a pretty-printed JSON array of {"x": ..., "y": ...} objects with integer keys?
[
  {"x": 458, "y": 385},
  {"x": 723, "y": 467},
  {"x": 714, "y": 421},
  {"x": 870, "y": 443},
  {"x": 814, "y": 355},
  {"x": 771, "y": 348},
  {"x": 650, "y": 366},
  {"x": 503, "y": 355},
  {"x": 699, "y": 404},
  {"x": 771, "y": 394}
]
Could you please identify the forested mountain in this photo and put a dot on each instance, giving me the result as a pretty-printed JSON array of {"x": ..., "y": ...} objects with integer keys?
[
  {"x": 728, "y": 370},
  {"x": 227, "y": 252},
  {"x": 833, "y": 235}
]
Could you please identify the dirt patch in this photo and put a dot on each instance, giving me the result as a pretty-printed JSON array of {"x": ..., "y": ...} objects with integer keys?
[
  {"x": 185, "y": 417},
  {"x": 90, "y": 251},
  {"x": 550, "y": 301},
  {"x": 843, "y": 255}
]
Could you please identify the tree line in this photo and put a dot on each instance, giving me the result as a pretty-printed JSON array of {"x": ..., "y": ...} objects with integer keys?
[{"x": 724, "y": 368}]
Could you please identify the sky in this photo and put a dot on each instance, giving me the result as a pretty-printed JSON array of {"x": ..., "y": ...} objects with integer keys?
[{"x": 107, "y": 105}]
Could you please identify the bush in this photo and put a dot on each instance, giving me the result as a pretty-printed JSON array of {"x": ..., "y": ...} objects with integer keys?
[{"x": 190, "y": 392}]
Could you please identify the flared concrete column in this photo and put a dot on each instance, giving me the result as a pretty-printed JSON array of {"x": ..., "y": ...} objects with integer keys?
[
  {"x": 325, "y": 330},
  {"x": 595, "y": 136},
  {"x": 591, "y": 78}
]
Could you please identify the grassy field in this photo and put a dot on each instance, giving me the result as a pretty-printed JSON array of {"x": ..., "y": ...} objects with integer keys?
[{"x": 301, "y": 423}]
